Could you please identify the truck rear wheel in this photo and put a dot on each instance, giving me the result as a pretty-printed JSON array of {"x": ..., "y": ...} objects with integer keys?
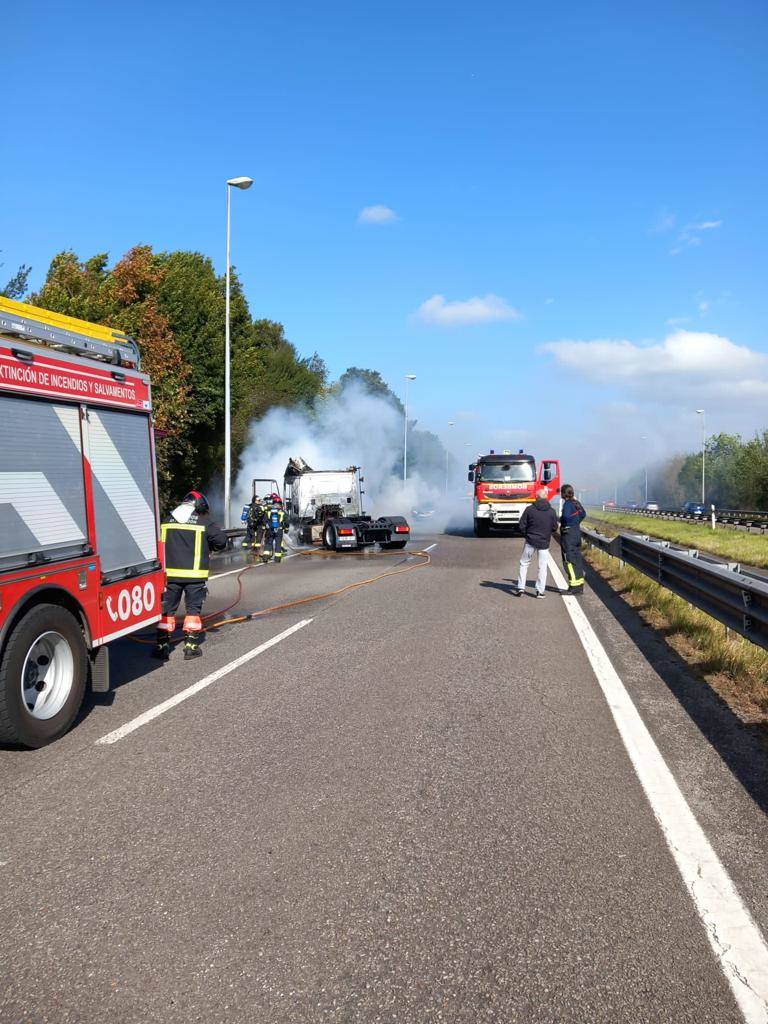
[
  {"x": 329, "y": 537},
  {"x": 42, "y": 677},
  {"x": 482, "y": 528}
]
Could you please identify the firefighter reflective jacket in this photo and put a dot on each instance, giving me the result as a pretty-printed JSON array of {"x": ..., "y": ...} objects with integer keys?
[
  {"x": 275, "y": 519},
  {"x": 187, "y": 547}
]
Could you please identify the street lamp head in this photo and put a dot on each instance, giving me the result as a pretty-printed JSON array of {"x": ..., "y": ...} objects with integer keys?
[
  {"x": 410, "y": 376},
  {"x": 700, "y": 412},
  {"x": 240, "y": 182}
]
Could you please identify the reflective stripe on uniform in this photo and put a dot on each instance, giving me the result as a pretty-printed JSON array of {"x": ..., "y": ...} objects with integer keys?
[
  {"x": 573, "y": 580},
  {"x": 195, "y": 572}
]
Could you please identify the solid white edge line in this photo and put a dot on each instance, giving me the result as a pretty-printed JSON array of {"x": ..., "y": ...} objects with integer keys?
[
  {"x": 160, "y": 709},
  {"x": 431, "y": 547},
  {"x": 733, "y": 935}
]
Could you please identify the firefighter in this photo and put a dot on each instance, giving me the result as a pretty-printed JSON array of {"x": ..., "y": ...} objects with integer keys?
[
  {"x": 274, "y": 528},
  {"x": 254, "y": 525},
  {"x": 571, "y": 517},
  {"x": 188, "y": 537}
]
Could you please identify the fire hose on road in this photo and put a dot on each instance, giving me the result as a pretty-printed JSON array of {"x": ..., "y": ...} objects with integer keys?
[{"x": 425, "y": 557}]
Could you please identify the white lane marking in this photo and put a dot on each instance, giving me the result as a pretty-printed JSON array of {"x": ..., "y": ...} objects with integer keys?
[
  {"x": 431, "y": 547},
  {"x": 160, "y": 709},
  {"x": 735, "y": 938},
  {"x": 256, "y": 565}
]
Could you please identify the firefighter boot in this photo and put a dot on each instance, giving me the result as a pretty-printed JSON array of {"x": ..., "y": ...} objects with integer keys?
[
  {"x": 279, "y": 557},
  {"x": 265, "y": 558},
  {"x": 162, "y": 649},
  {"x": 192, "y": 646}
]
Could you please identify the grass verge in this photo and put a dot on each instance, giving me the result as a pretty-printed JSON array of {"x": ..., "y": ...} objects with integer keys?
[
  {"x": 735, "y": 668},
  {"x": 735, "y": 545}
]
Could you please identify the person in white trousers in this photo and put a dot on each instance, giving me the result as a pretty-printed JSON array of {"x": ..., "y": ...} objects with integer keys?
[{"x": 538, "y": 524}]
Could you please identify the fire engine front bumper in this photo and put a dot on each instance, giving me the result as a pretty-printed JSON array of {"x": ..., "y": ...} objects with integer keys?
[{"x": 507, "y": 514}]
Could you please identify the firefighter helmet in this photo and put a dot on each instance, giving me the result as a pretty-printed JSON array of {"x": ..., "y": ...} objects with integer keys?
[
  {"x": 199, "y": 501},
  {"x": 276, "y": 499}
]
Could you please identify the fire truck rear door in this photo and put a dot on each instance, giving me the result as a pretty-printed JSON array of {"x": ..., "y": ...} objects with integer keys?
[{"x": 123, "y": 490}]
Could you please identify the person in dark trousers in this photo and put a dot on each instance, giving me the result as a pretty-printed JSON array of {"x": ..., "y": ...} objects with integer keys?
[
  {"x": 571, "y": 517},
  {"x": 188, "y": 537},
  {"x": 538, "y": 523},
  {"x": 274, "y": 527},
  {"x": 254, "y": 524}
]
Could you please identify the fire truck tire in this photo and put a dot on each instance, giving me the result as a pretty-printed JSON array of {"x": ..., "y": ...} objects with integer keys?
[
  {"x": 42, "y": 677},
  {"x": 329, "y": 537},
  {"x": 482, "y": 528}
]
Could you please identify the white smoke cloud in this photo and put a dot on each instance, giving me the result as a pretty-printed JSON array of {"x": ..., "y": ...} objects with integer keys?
[{"x": 353, "y": 428}]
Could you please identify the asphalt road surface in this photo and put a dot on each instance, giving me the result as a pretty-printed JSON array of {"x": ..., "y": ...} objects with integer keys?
[{"x": 423, "y": 803}]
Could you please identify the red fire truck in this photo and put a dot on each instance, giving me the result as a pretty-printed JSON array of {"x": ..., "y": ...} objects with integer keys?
[
  {"x": 505, "y": 483},
  {"x": 80, "y": 562}
]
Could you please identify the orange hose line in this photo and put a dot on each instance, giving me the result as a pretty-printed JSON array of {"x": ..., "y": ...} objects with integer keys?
[{"x": 424, "y": 555}]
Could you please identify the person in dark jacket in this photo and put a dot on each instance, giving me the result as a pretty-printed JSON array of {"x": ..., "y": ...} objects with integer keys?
[
  {"x": 275, "y": 525},
  {"x": 571, "y": 518},
  {"x": 188, "y": 537},
  {"x": 538, "y": 523}
]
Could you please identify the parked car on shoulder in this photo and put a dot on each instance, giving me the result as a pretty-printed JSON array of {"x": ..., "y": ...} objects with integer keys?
[
  {"x": 693, "y": 508},
  {"x": 651, "y": 506}
]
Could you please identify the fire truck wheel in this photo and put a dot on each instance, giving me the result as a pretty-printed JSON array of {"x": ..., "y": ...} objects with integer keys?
[
  {"x": 482, "y": 528},
  {"x": 42, "y": 677},
  {"x": 329, "y": 537}
]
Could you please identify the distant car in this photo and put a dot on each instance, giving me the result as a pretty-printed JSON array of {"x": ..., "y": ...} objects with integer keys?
[
  {"x": 609, "y": 504},
  {"x": 693, "y": 508},
  {"x": 422, "y": 513},
  {"x": 652, "y": 506},
  {"x": 633, "y": 504}
]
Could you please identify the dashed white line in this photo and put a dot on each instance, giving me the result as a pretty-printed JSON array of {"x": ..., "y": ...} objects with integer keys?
[
  {"x": 735, "y": 938},
  {"x": 431, "y": 547},
  {"x": 160, "y": 709},
  {"x": 242, "y": 568}
]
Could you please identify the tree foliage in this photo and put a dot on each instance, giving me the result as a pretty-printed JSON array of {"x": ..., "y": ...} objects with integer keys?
[
  {"x": 736, "y": 475},
  {"x": 173, "y": 304}
]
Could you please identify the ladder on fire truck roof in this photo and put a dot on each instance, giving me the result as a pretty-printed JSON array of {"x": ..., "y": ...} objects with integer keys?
[{"x": 67, "y": 334}]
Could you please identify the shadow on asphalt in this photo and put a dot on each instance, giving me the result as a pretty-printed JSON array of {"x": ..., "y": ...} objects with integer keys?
[
  {"x": 741, "y": 747},
  {"x": 510, "y": 587}
]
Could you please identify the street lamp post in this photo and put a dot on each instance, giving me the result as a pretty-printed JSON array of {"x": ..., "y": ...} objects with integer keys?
[
  {"x": 702, "y": 413},
  {"x": 408, "y": 378},
  {"x": 644, "y": 437},
  {"x": 241, "y": 183},
  {"x": 446, "y": 466}
]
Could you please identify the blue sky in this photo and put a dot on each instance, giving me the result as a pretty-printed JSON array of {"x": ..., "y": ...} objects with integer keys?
[{"x": 597, "y": 169}]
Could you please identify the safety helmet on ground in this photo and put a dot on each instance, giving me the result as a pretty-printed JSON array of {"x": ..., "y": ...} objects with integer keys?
[{"x": 199, "y": 501}]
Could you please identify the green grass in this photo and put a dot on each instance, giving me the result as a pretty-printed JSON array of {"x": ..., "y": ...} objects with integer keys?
[
  {"x": 736, "y": 668},
  {"x": 735, "y": 545}
]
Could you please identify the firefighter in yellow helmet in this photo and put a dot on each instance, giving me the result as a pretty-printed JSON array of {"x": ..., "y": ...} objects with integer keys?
[{"x": 188, "y": 537}]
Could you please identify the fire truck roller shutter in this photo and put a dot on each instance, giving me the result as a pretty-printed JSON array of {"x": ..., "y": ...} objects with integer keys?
[
  {"x": 42, "y": 493},
  {"x": 121, "y": 464}
]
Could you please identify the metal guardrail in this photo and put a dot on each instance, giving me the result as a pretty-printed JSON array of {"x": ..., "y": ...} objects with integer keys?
[
  {"x": 734, "y": 596},
  {"x": 726, "y": 516}
]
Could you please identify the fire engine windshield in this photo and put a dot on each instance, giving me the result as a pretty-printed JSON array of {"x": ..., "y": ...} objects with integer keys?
[{"x": 506, "y": 472}]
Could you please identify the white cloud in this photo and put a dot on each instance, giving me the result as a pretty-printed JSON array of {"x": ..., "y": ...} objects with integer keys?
[
  {"x": 686, "y": 363},
  {"x": 691, "y": 235},
  {"x": 487, "y": 309},
  {"x": 665, "y": 221},
  {"x": 376, "y": 215},
  {"x": 704, "y": 306},
  {"x": 676, "y": 321}
]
